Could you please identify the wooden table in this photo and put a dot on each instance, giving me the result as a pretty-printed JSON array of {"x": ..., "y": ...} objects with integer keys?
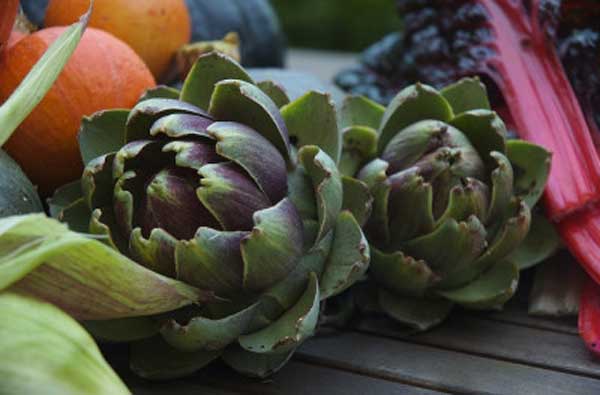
[{"x": 472, "y": 353}]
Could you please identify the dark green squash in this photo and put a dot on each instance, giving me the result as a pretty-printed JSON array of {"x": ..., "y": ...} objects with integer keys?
[
  {"x": 263, "y": 43},
  {"x": 17, "y": 194}
]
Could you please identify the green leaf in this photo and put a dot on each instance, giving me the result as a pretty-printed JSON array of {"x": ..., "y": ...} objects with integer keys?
[
  {"x": 124, "y": 330},
  {"x": 400, "y": 273},
  {"x": 40, "y": 79},
  {"x": 531, "y": 164},
  {"x": 64, "y": 197},
  {"x": 102, "y": 133},
  {"x": 492, "y": 289},
  {"x": 467, "y": 94},
  {"x": 312, "y": 119},
  {"x": 161, "y": 91},
  {"x": 418, "y": 313},
  {"x": 541, "y": 242},
  {"x": 255, "y": 365},
  {"x": 360, "y": 111},
  {"x": 41, "y": 257},
  {"x": 275, "y": 91},
  {"x": 291, "y": 329},
  {"x": 208, "y": 70},
  {"x": 357, "y": 199},
  {"x": 46, "y": 351}
]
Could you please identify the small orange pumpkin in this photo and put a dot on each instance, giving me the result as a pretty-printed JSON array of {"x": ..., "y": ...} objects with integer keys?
[
  {"x": 102, "y": 73},
  {"x": 8, "y": 14},
  {"x": 155, "y": 29}
]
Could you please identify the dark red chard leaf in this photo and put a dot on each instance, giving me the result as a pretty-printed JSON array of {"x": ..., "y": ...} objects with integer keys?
[{"x": 589, "y": 316}]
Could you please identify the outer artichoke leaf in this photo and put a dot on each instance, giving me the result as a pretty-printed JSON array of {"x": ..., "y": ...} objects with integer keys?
[
  {"x": 192, "y": 154},
  {"x": 467, "y": 94},
  {"x": 208, "y": 70},
  {"x": 418, "y": 313},
  {"x": 102, "y": 133},
  {"x": 312, "y": 119},
  {"x": 230, "y": 195},
  {"x": 378, "y": 225},
  {"x": 401, "y": 274},
  {"x": 155, "y": 359},
  {"x": 255, "y": 365},
  {"x": 291, "y": 329},
  {"x": 273, "y": 247},
  {"x": 542, "y": 241},
  {"x": 180, "y": 125},
  {"x": 72, "y": 271},
  {"x": 97, "y": 182},
  {"x": 360, "y": 145},
  {"x": 212, "y": 260},
  {"x": 104, "y": 224},
  {"x": 239, "y": 101},
  {"x": 255, "y": 154},
  {"x": 302, "y": 194},
  {"x": 76, "y": 216},
  {"x": 531, "y": 164},
  {"x": 453, "y": 244},
  {"x": 160, "y": 92},
  {"x": 357, "y": 199},
  {"x": 471, "y": 197},
  {"x": 142, "y": 156},
  {"x": 64, "y": 197},
  {"x": 349, "y": 258},
  {"x": 275, "y": 91},
  {"x": 492, "y": 289},
  {"x": 204, "y": 334},
  {"x": 485, "y": 130},
  {"x": 327, "y": 185},
  {"x": 512, "y": 233},
  {"x": 156, "y": 252},
  {"x": 46, "y": 351},
  {"x": 502, "y": 188},
  {"x": 374, "y": 172},
  {"x": 124, "y": 200},
  {"x": 145, "y": 113},
  {"x": 124, "y": 330},
  {"x": 412, "y": 104},
  {"x": 360, "y": 111}
]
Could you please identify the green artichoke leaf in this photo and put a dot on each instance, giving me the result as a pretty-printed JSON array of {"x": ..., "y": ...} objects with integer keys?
[
  {"x": 155, "y": 359},
  {"x": 160, "y": 92},
  {"x": 204, "y": 334},
  {"x": 123, "y": 330},
  {"x": 97, "y": 181},
  {"x": 239, "y": 101},
  {"x": 373, "y": 173},
  {"x": 486, "y": 132},
  {"x": 255, "y": 365},
  {"x": 102, "y": 133},
  {"x": 531, "y": 164},
  {"x": 414, "y": 103},
  {"x": 360, "y": 111},
  {"x": 349, "y": 258},
  {"x": 357, "y": 199},
  {"x": 44, "y": 351},
  {"x": 502, "y": 187},
  {"x": 418, "y": 313},
  {"x": 156, "y": 252},
  {"x": 102, "y": 223},
  {"x": 274, "y": 246},
  {"x": 467, "y": 94},
  {"x": 41, "y": 257},
  {"x": 302, "y": 193},
  {"x": 212, "y": 260},
  {"x": 208, "y": 70},
  {"x": 360, "y": 146},
  {"x": 542, "y": 241},
  {"x": 312, "y": 119},
  {"x": 491, "y": 290},
  {"x": 67, "y": 205},
  {"x": 64, "y": 197},
  {"x": 275, "y": 91},
  {"x": 470, "y": 197},
  {"x": 327, "y": 185},
  {"x": 291, "y": 329},
  {"x": 400, "y": 273}
]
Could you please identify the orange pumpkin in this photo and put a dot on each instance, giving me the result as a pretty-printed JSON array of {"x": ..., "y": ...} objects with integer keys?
[
  {"x": 155, "y": 29},
  {"x": 8, "y": 14},
  {"x": 102, "y": 73}
]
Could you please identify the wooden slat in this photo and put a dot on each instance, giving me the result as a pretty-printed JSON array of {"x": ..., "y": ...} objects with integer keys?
[
  {"x": 294, "y": 378},
  {"x": 518, "y": 315},
  {"x": 548, "y": 349},
  {"x": 440, "y": 369}
]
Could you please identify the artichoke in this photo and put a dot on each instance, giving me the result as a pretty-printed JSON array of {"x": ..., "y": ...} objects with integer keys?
[
  {"x": 205, "y": 186},
  {"x": 452, "y": 201}
]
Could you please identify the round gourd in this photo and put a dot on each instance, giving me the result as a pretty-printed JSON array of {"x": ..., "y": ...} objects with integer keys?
[
  {"x": 8, "y": 14},
  {"x": 155, "y": 29},
  {"x": 263, "y": 43},
  {"x": 102, "y": 73},
  {"x": 17, "y": 193}
]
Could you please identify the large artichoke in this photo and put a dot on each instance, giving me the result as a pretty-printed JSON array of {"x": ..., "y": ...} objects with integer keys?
[
  {"x": 205, "y": 187},
  {"x": 452, "y": 200}
]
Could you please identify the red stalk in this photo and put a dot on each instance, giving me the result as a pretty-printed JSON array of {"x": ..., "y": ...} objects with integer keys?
[{"x": 589, "y": 316}]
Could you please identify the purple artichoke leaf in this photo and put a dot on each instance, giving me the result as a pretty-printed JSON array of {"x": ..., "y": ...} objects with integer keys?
[
  {"x": 97, "y": 181},
  {"x": 104, "y": 224},
  {"x": 157, "y": 252},
  {"x": 192, "y": 154},
  {"x": 178, "y": 125}
]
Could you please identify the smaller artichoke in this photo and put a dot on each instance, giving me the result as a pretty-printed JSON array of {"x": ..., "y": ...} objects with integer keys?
[
  {"x": 205, "y": 187},
  {"x": 452, "y": 200}
]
